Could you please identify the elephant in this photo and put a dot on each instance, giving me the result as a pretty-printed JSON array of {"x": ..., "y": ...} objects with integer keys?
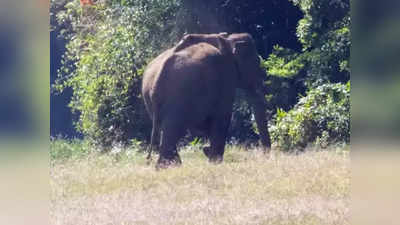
[{"x": 192, "y": 86}]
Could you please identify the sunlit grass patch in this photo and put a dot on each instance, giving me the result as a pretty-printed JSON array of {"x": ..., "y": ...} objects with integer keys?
[{"x": 250, "y": 187}]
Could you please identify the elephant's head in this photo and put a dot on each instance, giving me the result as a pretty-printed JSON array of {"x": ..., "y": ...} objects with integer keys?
[
  {"x": 251, "y": 78},
  {"x": 247, "y": 60}
]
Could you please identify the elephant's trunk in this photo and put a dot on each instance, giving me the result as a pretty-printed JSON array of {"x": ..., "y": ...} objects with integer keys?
[{"x": 258, "y": 103}]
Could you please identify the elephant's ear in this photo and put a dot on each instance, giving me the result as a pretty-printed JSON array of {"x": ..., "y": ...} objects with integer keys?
[
  {"x": 224, "y": 34},
  {"x": 242, "y": 48}
]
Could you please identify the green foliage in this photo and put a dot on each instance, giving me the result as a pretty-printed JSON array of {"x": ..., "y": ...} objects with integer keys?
[
  {"x": 195, "y": 141},
  {"x": 320, "y": 16},
  {"x": 108, "y": 46},
  {"x": 62, "y": 149},
  {"x": 283, "y": 63},
  {"x": 282, "y": 84},
  {"x": 324, "y": 32},
  {"x": 110, "y": 43},
  {"x": 322, "y": 118}
]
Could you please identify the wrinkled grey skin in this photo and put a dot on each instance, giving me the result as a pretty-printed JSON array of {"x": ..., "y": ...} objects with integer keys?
[{"x": 192, "y": 87}]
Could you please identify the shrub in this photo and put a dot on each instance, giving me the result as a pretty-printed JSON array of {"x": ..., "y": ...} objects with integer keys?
[
  {"x": 321, "y": 118},
  {"x": 284, "y": 81},
  {"x": 108, "y": 46},
  {"x": 63, "y": 149}
]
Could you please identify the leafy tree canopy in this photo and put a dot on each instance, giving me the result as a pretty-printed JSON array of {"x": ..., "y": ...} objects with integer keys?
[{"x": 305, "y": 43}]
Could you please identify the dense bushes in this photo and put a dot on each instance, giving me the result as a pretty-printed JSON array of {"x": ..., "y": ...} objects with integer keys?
[
  {"x": 61, "y": 149},
  {"x": 106, "y": 86},
  {"x": 322, "y": 117},
  {"x": 109, "y": 44},
  {"x": 324, "y": 33}
]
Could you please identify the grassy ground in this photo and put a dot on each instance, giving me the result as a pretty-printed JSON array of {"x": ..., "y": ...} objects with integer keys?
[{"x": 248, "y": 188}]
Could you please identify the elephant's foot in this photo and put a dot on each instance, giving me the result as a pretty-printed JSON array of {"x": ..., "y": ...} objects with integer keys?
[
  {"x": 216, "y": 159},
  {"x": 212, "y": 157},
  {"x": 207, "y": 151},
  {"x": 266, "y": 150},
  {"x": 166, "y": 162}
]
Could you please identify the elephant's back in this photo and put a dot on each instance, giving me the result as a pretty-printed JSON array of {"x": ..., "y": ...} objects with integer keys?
[
  {"x": 199, "y": 52},
  {"x": 192, "y": 71},
  {"x": 191, "y": 68},
  {"x": 183, "y": 79},
  {"x": 170, "y": 63}
]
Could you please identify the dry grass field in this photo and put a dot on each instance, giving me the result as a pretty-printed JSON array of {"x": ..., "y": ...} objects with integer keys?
[{"x": 248, "y": 188}]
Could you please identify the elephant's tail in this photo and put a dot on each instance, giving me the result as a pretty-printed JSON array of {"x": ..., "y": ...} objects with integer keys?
[{"x": 155, "y": 135}]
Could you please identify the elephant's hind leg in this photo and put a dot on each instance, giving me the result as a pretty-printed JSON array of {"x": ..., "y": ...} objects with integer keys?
[
  {"x": 215, "y": 152},
  {"x": 170, "y": 135},
  {"x": 207, "y": 151}
]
